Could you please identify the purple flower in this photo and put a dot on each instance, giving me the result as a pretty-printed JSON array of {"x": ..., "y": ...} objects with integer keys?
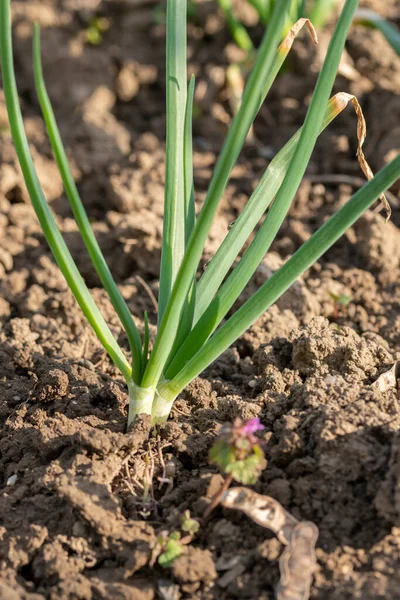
[
  {"x": 251, "y": 426},
  {"x": 237, "y": 451}
]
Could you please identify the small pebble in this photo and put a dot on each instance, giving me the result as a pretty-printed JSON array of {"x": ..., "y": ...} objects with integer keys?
[{"x": 12, "y": 480}]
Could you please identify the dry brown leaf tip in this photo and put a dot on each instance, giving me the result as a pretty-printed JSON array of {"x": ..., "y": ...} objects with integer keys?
[
  {"x": 294, "y": 32},
  {"x": 340, "y": 101}
]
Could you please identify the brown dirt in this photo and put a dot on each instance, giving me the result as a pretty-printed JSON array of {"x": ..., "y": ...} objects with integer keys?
[{"x": 73, "y": 523}]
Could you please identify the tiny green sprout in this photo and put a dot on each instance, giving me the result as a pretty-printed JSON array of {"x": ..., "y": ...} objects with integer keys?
[
  {"x": 172, "y": 548},
  {"x": 97, "y": 28},
  {"x": 341, "y": 299},
  {"x": 172, "y": 545},
  {"x": 237, "y": 451},
  {"x": 189, "y": 525}
]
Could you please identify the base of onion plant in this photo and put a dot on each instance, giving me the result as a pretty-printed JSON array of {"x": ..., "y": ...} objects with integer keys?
[
  {"x": 148, "y": 401},
  {"x": 191, "y": 331}
]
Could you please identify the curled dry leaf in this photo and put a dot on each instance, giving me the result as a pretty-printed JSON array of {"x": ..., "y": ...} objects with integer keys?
[
  {"x": 298, "y": 561},
  {"x": 294, "y": 32},
  {"x": 339, "y": 103},
  {"x": 389, "y": 379}
]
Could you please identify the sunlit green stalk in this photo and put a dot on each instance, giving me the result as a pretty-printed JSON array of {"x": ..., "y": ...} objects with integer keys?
[
  {"x": 270, "y": 291},
  {"x": 190, "y": 211},
  {"x": 44, "y": 214},
  {"x": 80, "y": 215},
  {"x": 233, "y": 144},
  {"x": 211, "y": 310},
  {"x": 259, "y": 201},
  {"x": 231, "y": 289},
  {"x": 190, "y": 216},
  {"x": 173, "y": 243},
  {"x": 211, "y": 280}
]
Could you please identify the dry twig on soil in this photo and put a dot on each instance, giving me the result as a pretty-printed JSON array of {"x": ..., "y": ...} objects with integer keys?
[{"x": 298, "y": 561}]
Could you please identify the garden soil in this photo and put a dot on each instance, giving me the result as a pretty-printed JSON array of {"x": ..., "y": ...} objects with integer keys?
[{"x": 82, "y": 502}]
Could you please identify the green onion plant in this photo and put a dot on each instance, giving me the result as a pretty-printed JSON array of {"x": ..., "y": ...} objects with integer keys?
[{"x": 192, "y": 328}]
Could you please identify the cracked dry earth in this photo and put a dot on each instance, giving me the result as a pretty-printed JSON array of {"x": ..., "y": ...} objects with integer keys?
[{"x": 73, "y": 525}]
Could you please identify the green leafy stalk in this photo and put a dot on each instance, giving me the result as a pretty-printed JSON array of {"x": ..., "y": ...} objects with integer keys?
[
  {"x": 146, "y": 341},
  {"x": 271, "y": 225},
  {"x": 209, "y": 312},
  {"x": 259, "y": 201},
  {"x": 270, "y": 291},
  {"x": 190, "y": 216},
  {"x": 308, "y": 137},
  {"x": 80, "y": 215},
  {"x": 235, "y": 139},
  {"x": 45, "y": 216},
  {"x": 227, "y": 254},
  {"x": 190, "y": 211},
  {"x": 173, "y": 245}
]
